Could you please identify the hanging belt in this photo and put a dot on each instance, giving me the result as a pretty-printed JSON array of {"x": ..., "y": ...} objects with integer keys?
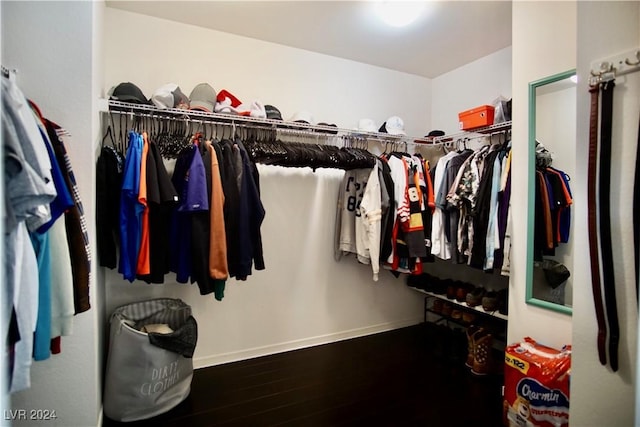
[
  {"x": 604, "y": 219},
  {"x": 593, "y": 227}
]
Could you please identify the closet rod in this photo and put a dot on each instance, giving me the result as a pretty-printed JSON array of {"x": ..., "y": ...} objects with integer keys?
[
  {"x": 282, "y": 130},
  {"x": 132, "y": 109},
  {"x": 474, "y": 133}
]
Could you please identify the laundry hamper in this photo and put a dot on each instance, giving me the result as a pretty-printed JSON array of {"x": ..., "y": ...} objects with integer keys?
[{"x": 149, "y": 365}]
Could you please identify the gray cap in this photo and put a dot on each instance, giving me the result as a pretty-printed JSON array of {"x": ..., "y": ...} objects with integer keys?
[
  {"x": 272, "y": 112},
  {"x": 203, "y": 97}
]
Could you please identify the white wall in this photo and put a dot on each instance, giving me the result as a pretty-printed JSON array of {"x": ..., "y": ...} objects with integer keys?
[
  {"x": 151, "y": 52},
  {"x": 52, "y": 46},
  {"x": 478, "y": 83},
  {"x": 303, "y": 297},
  {"x": 540, "y": 30},
  {"x": 605, "y": 29}
]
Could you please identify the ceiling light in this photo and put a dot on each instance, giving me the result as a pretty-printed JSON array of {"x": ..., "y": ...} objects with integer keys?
[{"x": 399, "y": 13}]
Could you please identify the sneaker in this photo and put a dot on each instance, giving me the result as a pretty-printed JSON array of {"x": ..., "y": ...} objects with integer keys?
[
  {"x": 490, "y": 301},
  {"x": 482, "y": 353},
  {"x": 474, "y": 298}
]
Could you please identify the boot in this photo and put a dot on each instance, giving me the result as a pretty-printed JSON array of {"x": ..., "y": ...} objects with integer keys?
[
  {"x": 482, "y": 353},
  {"x": 472, "y": 331}
]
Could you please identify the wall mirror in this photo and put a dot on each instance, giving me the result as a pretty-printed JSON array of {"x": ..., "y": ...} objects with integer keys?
[{"x": 552, "y": 136}]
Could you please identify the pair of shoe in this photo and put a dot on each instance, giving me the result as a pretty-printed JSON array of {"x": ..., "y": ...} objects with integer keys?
[
  {"x": 474, "y": 298},
  {"x": 458, "y": 290},
  {"x": 490, "y": 301},
  {"x": 463, "y": 290},
  {"x": 479, "y": 350},
  {"x": 424, "y": 281}
]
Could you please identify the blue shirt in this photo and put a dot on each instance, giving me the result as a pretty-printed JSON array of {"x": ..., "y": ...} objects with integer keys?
[
  {"x": 63, "y": 200},
  {"x": 130, "y": 209},
  {"x": 190, "y": 181},
  {"x": 42, "y": 334}
]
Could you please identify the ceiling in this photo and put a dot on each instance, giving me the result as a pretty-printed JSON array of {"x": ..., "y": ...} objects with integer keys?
[{"x": 447, "y": 35}]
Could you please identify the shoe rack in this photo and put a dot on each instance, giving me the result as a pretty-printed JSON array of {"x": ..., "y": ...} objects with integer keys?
[{"x": 461, "y": 306}]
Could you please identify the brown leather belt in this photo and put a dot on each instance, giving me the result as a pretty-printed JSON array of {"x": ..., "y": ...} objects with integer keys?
[
  {"x": 604, "y": 219},
  {"x": 593, "y": 227}
]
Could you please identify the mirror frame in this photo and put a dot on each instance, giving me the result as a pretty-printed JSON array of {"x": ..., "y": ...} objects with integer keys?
[{"x": 529, "y": 298}]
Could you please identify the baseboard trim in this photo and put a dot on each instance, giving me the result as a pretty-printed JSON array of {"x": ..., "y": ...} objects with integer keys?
[{"x": 250, "y": 353}]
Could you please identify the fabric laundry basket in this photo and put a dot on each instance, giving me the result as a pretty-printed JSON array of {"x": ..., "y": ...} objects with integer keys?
[{"x": 149, "y": 365}]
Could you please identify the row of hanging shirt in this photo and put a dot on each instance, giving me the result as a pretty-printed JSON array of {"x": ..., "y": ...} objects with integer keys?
[
  {"x": 202, "y": 222},
  {"x": 404, "y": 211},
  {"x": 47, "y": 257},
  {"x": 204, "y": 235},
  {"x": 553, "y": 200}
]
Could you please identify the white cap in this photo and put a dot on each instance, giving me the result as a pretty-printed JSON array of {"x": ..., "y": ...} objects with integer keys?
[
  {"x": 367, "y": 125},
  {"x": 394, "y": 126},
  {"x": 255, "y": 109},
  {"x": 170, "y": 96},
  {"x": 303, "y": 116}
]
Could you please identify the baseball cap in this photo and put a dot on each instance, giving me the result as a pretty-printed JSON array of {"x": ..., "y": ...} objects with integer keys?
[
  {"x": 435, "y": 133},
  {"x": 203, "y": 97},
  {"x": 128, "y": 92},
  {"x": 170, "y": 96},
  {"x": 302, "y": 117},
  {"x": 272, "y": 112},
  {"x": 331, "y": 131},
  {"x": 393, "y": 126},
  {"x": 367, "y": 125},
  {"x": 555, "y": 272},
  {"x": 255, "y": 109},
  {"x": 226, "y": 102}
]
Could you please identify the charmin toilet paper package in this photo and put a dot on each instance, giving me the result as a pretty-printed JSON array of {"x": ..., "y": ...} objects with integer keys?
[{"x": 536, "y": 389}]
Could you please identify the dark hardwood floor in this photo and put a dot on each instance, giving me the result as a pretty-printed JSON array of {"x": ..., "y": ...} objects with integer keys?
[{"x": 413, "y": 376}]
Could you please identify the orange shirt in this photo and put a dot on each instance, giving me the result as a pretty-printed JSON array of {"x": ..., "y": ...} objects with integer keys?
[
  {"x": 143, "y": 266},
  {"x": 218, "y": 268}
]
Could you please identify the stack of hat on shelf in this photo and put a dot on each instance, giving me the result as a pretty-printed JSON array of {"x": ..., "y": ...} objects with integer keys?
[{"x": 204, "y": 97}]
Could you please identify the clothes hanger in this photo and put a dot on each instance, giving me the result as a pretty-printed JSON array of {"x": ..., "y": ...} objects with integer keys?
[{"x": 108, "y": 134}]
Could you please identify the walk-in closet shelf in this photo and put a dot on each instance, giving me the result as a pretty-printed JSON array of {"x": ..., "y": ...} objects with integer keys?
[
  {"x": 150, "y": 111},
  {"x": 477, "y": 309}
]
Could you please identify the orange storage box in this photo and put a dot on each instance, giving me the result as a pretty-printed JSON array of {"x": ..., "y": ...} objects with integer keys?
[{"x": 476, "y": 117}]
